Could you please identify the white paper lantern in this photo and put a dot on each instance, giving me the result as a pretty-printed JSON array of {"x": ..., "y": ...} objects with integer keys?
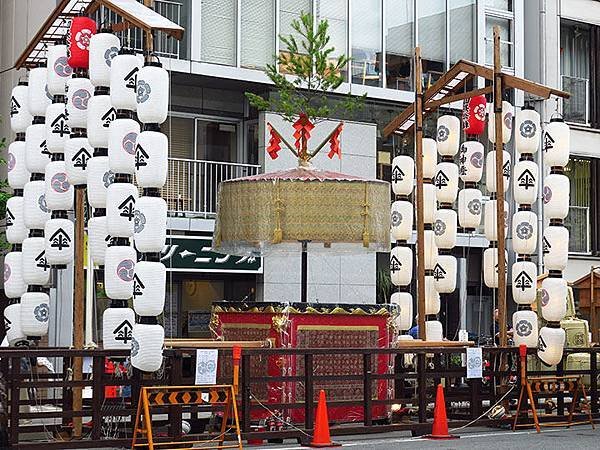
[
  {"x": 444, "y": 228},
  {"x": 151, "y": 159},
  {"x": 471, "y": 161},
  {"x": 152, "y": 93},
  {"x": 551, "y": 342},
  {"x": 507, "y": 119},
  {"x": 35, "y": 312},
  {"x": 523, "y": 278},
  {"x": 490, "y": 223},
  {"x": 119, "y": 269},
  {"x": 78, "y": 153},
  {"x": 556, "y": 247},
  {"x": 429, "y": 158},
  {"x": 57, "y": 129},
  {"x": 16, "y": 165},
  {"x": 401, "y": 265},
  {"x": 120, "y": 209},
  {"x": 98, "y": 238},
  {"x": 470, "y": 208},
  {"x": 402, "y": 218},
  {"x": 404, "y": 301},
  {"x": 36, "y": 212},
  {"x": 37, "y": 155},
  {"x": 117, "y": 326},
  {"x": 446, "y": 182},
  {"x": 525, "y": 182},
  {"x": 525, "y": 326},
  {"x": 147, "y": 347},
  {"x": 527, "y": 130},
  {"x": 524, "y": 232},
  {"x": 12, "y": 324},
  {"x": 403, "y": 174},
  {"x": 444, "y": 274},
  {"x": 149, "y": 288},
  {"x": 432, "y": 297},
  {"x": 99, "y": 178},
  {"x": 557, "y": 143},
  {"x": 59, "y": 192},
  {"x": 36, "y": 269},
  {"x": 429, "y": 202},
  {"x": 60, "y": 242},
  {"x": 79, "y": 93},
  {"x": 59, "y": 70},
  {"x": 104, "y": 46},
  {"x": 20, "y": 117},
  {"x": 434, "y": 331},
  {"x": 38, "y": 97},
  {"x": 123, "y": 81},
  {"x": 122, "y": 137},
  {"x": 99, "y": 116},
  {"x": 16, "y": 231},
  {"x": 490, "y": 171},
  {"x": 14, "y": 285},
  {"x": 554, "y": 299},
  {"x": 431, "y": 250},
  {"x": 448, "y": 135},
  {"x": 490, "y": 267},
  {"x": 150, "y": 224},
  {"x": 556, "y": 196}
]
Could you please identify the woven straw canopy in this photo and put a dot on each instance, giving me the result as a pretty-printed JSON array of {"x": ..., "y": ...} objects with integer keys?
[{"x": 260, "y": 214}]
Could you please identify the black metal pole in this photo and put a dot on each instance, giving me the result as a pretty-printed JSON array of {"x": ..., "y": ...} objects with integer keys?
[{"x": 304, "y": 272}]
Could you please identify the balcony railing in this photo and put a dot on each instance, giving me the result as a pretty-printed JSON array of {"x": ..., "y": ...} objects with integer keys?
[
  {"x": 192, "y": 185},
  {"x": 576, "y": 108}
]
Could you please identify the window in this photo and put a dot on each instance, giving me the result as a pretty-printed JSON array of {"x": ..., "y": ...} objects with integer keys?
[
  {"x": 578, "y": 220},
  {"x": 575, "y": 70},
  {"x": 336, "y": 14},
  {"x": 257, "y": 33},
  {"x": 463, "y": 42},
  {"x": 399, "y": 44},
  {"x": 505, "y": 5},
  {"x": 366, "y": 42},
  {"x": 218, "y": 25},
  {"x": 290, "y": 10},
  {"x": 432, "y": 39},
  {"x": 506, "y": 44}
]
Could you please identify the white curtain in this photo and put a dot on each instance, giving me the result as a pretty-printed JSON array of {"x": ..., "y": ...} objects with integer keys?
[
  {"x": 258, "y": 33},
  {"x": 218, "y": 31}
]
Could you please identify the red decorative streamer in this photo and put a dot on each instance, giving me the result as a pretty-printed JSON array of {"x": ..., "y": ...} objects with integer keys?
[
  {"x": 303, "y": 127},
  {"x": 81, "y": 30},
  {"x": 274, "y": 143},
  {"x": 334, "y": 142},
  {"x": 473, "y": 116}
]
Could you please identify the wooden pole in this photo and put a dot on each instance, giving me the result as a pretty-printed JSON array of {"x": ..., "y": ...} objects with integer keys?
[
  {"x": 78, "y": 303},
  {"x": 500, "y": 188},
  {"x": 593, "y": 317},
  {"x": 420, "y": 218}
]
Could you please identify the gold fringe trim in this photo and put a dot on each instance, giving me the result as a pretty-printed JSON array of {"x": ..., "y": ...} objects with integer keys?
[{"x": 278, "y": 232}]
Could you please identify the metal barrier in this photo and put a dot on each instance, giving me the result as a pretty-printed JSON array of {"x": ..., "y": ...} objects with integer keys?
[{"x": 108, "y": 421}]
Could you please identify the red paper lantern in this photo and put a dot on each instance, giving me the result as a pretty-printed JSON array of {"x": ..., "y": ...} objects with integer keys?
[
  {"x": 82, "y": 29},
  {"x": 473, "y": 116}
]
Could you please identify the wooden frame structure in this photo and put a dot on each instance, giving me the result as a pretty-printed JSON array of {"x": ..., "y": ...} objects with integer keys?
[{"x": 452, "y": 87}]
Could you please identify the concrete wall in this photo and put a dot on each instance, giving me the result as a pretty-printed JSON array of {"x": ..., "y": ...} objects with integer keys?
[{"x": 331, "y": 278}]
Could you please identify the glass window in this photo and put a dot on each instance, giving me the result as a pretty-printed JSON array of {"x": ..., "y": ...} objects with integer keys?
[
  {"x": 258, "y": 33},
  {"x": 575, "y": 70},
  {"x": 218, "y": 25},
  {"x": 335, "y": 12},
  {"x": 432, "y": 39},
  {"x": 399, "y": 44},
  {"x": 505, "y": 5},
  {"x": 290, "y": 10},
  {"x": 463, "y": 42},
  {"x": 506, "y": 44},
  {"x": 366, "y": 42},
  {"x": 179, "y": 186},
  {"x": 578, "y": 220}
]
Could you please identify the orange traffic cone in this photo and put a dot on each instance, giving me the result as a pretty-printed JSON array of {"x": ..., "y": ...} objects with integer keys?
[
  {"x": 321, "y": 437},
  {"x": 440, "y": 420}
]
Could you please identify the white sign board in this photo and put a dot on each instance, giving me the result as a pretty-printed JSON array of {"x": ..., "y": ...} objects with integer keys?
[
  {"x": 206, "y": 366},
  {"x": 474, "y": 362}
]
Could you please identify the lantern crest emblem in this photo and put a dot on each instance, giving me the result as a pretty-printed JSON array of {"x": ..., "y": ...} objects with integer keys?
[
  {"x": 523, "y": 281},
  {"x": 80, "y": 99},
  {"x": 143, "y": 91},
  {"x": 547, "y": 194},
  {"x": 60, "y": 239},
  {"x": 123, "y": 333},
  {"x": 125, "y": 270},
  {"x": 7, "y": 272},
  {"x": 15, "y": 106},
  {"x": 138, "y": 287},
  {"x": 11, "y": 162},
  {"x": 82, "y": 38},
  {"x": 545, "y": 299},
  {"x": 395, "y": 264},
  {"x": 524, "y": 230},
  {"x": 41, "y": 312},
  {"x": 139, "y": 221},
  {"x": 396, "y": 218},
  {"x": 439, "y": 273},
  {"x": 62, "y": 68},
  {"x": 60, "y": 183},
  {"x": 42, "y": 203},
  {"x": 524, "y": 328},
  {"x": 442, "y": 133},
  {"x": 527, "y": 129},
  {"x": 109, "y": 54},
  {"x": 129, "y": 142},
  {"x": 108, "y": 178},
  {"x": 474, "y": 206},
  {"x": 135, "y": 347},
  {"x": 439, "y": 227}
]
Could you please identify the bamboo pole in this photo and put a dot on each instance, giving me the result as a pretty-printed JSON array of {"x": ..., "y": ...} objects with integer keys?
[
  {"x": 500, "y": 188},
  {"x": 420, "y": 218}
]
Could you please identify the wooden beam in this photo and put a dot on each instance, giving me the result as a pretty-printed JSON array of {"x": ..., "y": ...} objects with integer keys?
[
  {"x": 420, "y": 203},
  {"x": 433, "y": 105},
  {"x": 499, "y": 146},
  {"x": 539, "y": 90}
]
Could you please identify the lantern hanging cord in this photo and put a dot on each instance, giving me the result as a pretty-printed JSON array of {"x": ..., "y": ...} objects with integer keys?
[{"x": 485, "y": 413}]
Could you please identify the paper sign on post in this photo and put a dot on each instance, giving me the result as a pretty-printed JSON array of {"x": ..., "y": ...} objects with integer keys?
[
  {"x": 206, "y": 366},
  {"x": 474, "y": 362}
]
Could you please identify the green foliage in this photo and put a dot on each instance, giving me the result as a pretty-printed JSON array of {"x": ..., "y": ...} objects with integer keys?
[
  {"x": 315, "y": 72},
  {"x": 384, "y": 286},
  {"x": 4, "y": 196}
]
